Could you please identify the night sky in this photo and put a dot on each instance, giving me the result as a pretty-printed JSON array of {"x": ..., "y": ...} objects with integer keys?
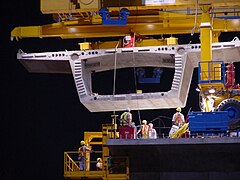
[{"x": 41, "y": 115}]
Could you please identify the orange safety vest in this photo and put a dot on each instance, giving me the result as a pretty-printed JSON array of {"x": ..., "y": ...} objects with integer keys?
[
  {"x": 82, "y": 150},
  {"x": 145, "y": 129}
]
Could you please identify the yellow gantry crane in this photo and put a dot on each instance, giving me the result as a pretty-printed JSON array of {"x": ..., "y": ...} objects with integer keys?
[{"x": 81, "y": 19}]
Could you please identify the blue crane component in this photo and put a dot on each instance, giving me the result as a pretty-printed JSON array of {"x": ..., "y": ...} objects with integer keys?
[
  {"x": 106, "y": 18},
  {"x": 156, "y": 75},
  {"x": 208, "y": 123},
  {"x": 220, "y": 99}
]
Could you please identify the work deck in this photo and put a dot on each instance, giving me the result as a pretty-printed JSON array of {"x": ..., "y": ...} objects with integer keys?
[{"x": 194, "y": 158}]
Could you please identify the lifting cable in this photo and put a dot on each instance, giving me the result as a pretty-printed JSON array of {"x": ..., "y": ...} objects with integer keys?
[
  {"x": 135, "y": 75},
  {"x": 114, "y": 81},
  {"x": 135, "y": 83},
  {"x": 212, "y": 12},
  {"x": 114, "y": 76},
  {"x": 195, "y": 19},
  {"x": 70, "y": 9}
]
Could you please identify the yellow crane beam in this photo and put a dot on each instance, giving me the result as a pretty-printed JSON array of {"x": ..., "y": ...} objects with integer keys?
[
  {"x": 145, "y": 19},
  {"x": 157, "y": 26}
]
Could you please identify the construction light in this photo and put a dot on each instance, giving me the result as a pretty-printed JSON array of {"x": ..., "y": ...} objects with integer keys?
[
  {"x": 212, "y": 90},
  {"x": 197, "y": 89}
]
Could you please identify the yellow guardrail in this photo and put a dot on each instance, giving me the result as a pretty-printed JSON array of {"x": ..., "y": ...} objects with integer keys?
[
  {"x": 69, "y": 163},
  {"x": 117, "y": 167},
  {"x": 72, "y": 164}
]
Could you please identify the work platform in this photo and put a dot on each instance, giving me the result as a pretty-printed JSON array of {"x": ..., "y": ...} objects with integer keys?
[
  {"x": 184, "y": 158},
  {"x": 205, "y": 157}
]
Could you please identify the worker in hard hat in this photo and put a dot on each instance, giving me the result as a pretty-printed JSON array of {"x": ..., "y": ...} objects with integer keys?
[
  {"x": 82, "y": 155},
  {"x": 99, "y": 164},
  {"x": 127, "y": 123},
  {"x": 178, "y": 118},
  {"x": 152, "y": 133},
  {"x": 144, "y": 130},
  {"x": 126, "y": 118},
  {"x": 177, "y": 121}
]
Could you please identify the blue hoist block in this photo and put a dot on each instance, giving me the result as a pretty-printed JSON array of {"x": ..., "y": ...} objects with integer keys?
[
  {"x": 106, "y": 18},
  {"x": 156, "y": 75}
]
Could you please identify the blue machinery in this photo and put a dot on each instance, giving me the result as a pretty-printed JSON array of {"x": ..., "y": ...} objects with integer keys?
[
  {"x": 142, "y": 77},
  {"x": 220, "y": 102},
  {"x": 208, "y": 123},
  {"x": 106, "y": 18}
]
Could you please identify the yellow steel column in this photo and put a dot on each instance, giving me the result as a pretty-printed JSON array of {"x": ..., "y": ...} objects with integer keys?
[
  {"x": 206, "y": 34},
  {"x": 87, "y": 156},
  {"x": 206, "y": 41},
  {"x": 88, "y": 137},
  {"x": 210, "y": 72},
  {"x": 114, "y": 125},
  {"x": 105, "y": 150}
]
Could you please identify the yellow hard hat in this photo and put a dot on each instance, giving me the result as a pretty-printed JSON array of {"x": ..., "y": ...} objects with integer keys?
[
  {"x": 99, "y": 159},
  {"x": 82, "y": 142},
  {"x": 144, "y": 121},
  {"x": 178, "y": 109}
]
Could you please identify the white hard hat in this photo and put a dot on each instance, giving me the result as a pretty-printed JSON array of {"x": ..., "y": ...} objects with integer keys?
[{"x": 150, "y": 124}]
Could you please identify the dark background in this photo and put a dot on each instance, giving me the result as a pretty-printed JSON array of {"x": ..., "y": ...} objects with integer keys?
[{"x": 41, "y": 115}]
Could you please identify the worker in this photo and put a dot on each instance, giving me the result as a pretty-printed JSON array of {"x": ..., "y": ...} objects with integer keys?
[
  {"x": 127, "y": 124},
  {"x": 151, "y": 131},
  {"x": 178, "y": 118},
  {"x": 82, "y": 155},
  {"x": 126, "y": 118},
  {"x": 99, "y": 164},
  {"x": 177, "y": 121},
  {"x": 144, "y": 130}
]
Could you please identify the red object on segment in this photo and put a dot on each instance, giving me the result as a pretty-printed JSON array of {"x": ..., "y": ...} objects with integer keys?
[
  {"x": 230, "y": 76},
  {"x": 129, "y": 41},
  {"x": 126, "y": 132}
]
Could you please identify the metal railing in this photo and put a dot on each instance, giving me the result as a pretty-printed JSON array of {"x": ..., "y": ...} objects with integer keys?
[
  {"x": 69, "y": 163},
  {"x": 211, "y": 72},
  {"x": 117, "y": 168},
  {"x": 116, "y": 165}
]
